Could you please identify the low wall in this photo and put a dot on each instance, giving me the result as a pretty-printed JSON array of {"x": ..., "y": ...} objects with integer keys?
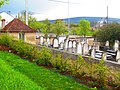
[{"x": 73, "y": 56}]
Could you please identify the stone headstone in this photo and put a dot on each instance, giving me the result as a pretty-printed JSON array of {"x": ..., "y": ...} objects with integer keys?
[
  {"x": 61, "y": 46},
  {"x": 61, "y": 39},
  {"x": 93, "y": 53},
  {"x": 85, "y": 49},
  {"x": 66, "y": 44},
  {"x": 116, "y": 45},
  {"x": 74, "y": 44},
  {"x": 118, "y": 56},
  {"x": 70, "y": 44},
  {"x": 79, "y": 48},
  {"x": 55, "y": 43},
  {"x": 107, "y": 43},
  {"x": 41, "y": 40},
  {"x": 48, "y": 41}
]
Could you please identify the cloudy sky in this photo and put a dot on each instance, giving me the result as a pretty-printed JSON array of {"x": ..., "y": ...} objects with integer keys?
[{"x": 56, "y": 10}]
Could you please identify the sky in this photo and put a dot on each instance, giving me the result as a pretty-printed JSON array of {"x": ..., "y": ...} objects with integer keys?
[{"x": 57, "y": 9}]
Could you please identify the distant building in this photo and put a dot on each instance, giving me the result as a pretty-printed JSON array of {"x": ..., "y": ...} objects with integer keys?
[
  {"x": 101, "y": 23},
  {"x": 6, "y": 17}
]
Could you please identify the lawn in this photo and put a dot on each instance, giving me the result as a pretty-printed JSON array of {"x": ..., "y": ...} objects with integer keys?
[{"x": 20, "y": 74}]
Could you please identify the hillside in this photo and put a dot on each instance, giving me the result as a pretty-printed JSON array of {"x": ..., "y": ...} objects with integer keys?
[{"x": 91, "y": 19}]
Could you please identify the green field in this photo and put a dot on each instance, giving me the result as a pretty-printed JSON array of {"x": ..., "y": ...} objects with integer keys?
[{"x": 20, "y": 74}]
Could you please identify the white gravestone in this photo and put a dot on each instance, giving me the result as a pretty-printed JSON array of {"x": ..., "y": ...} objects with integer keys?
[
  {"x": 66, "y": 44},
  {"x": 93, "y": 53},
  {"x": 118, "y": 56},
  {"x": 70, "y": 44},
  {"x": 85, "y": 49},
  {"x": 107, "y": 43},
  {"x": 48, "y": 41},
  {"x": 116, "y": 45},
  {"x": 55, "y": 43},
  {"x": 41, "y": 40},
  {"x": 79, "y": 48},
  {"x": 61, "y": 46},
  {"x": 61, "y": 39},
  {"x": 74, "y": 44}
]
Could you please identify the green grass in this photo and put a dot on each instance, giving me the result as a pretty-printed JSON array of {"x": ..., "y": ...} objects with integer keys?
[
  {"x": 13, "y": 80},
  {"x": 29, "y": 74}
]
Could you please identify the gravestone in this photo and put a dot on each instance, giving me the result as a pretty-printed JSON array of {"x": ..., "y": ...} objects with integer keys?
[
  {"x": 85, "y": 49},
  {"x": 107, "y": 43},
  {"x": 66, "y": 44},
  {"x": 74, "y": 44},
  {"x": 48, "y": 41},
  {"x": 104, "y": 56},
  {"x": 41, "y": 40},
  {"x": 61, "y": 39},
  {"x": 118, "y": 56},
  {"x": 55, "y": 43},
  {"x": 93, "y": 52},
  {"x": 79, "y": 48},
  {"x": 70, "y": 44},
  {"x": 61, "y": 46},
  {"x": 116, "y": 45}
]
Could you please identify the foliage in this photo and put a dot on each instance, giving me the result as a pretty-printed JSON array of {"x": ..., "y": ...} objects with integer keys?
[
  {"x": 102, "y": 72},
  {"x": 59, "y": 62},
  {"x": 5, "y": 39},
  {"x": 46, "y": 27},
  {"x": 59, "y": 27},
  {"x": 77, "y": 67},
  {"x": 110, "y": 32},
  {"x": 84, "y": 27},
  {"x": 2, "y": 2},
  {"x": 32, "y": 22},
  {"x": 44, "y": 56},
  {"x": 42, "y": 77}
]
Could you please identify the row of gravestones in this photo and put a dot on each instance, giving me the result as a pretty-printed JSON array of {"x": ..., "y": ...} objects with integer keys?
[
  {"x": 82, "y": 48},
  {"x": 107, "y": 53}
]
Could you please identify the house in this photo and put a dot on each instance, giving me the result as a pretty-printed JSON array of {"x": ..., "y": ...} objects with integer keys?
[
  {"x": 7, "y": 17},
  {"x": 20, "y": 30}
]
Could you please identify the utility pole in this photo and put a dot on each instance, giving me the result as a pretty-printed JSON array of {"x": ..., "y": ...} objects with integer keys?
[
  {"x": 26, "y": 11},
  {"x": 107, "y": 14}
]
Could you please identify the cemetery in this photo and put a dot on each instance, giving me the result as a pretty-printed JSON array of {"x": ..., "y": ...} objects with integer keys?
[{"x": 86, "y": 47}]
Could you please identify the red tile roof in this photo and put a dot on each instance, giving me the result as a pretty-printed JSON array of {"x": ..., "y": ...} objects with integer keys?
[{"x": 16, "y": 26}]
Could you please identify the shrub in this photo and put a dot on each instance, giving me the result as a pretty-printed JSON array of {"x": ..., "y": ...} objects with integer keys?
[
  {"x": 102, "y": 72},
  {"x": 77, "y": 67},
  {"x": 59, "y": 62},
  {"x": 44, "y": 56},
  {"x": 5, "y": 39}
]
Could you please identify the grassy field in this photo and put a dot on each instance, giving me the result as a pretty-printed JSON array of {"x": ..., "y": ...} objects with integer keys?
[{"x": 20, "y": 74}]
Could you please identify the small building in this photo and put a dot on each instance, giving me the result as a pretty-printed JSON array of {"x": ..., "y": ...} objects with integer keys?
[{"x": 20, "y": 30}]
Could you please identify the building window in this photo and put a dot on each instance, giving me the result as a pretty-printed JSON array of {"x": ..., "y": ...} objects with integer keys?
[{"x": 22, "y": 35}]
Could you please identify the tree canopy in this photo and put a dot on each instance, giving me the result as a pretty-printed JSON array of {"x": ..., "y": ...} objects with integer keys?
[
  {"x": 84, "y": 27},
  {"x": 2, "y": 2},
  {"x": 110, "y": 32},
  {"x": 59, "y": 27}
]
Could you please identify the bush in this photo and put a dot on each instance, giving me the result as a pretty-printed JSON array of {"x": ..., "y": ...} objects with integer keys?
[
  {"x": 102, "y": 72},
  {"x": 6, "y": 39},
  {"x": 77, "y": 67},
  {"x": 44, "y": 56},
  {"x": 59, "y": 62}
]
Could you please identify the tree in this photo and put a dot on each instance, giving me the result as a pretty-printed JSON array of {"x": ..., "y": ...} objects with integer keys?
[
  {"x": 59, "y": 27},
  {"x": 32, "y": 22},
  {"x": 2, "y": 2},
  {"x": 110, "y": 32},
  {"x": 46, "y": 27},
  {"x": 84, "y": 27}
]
